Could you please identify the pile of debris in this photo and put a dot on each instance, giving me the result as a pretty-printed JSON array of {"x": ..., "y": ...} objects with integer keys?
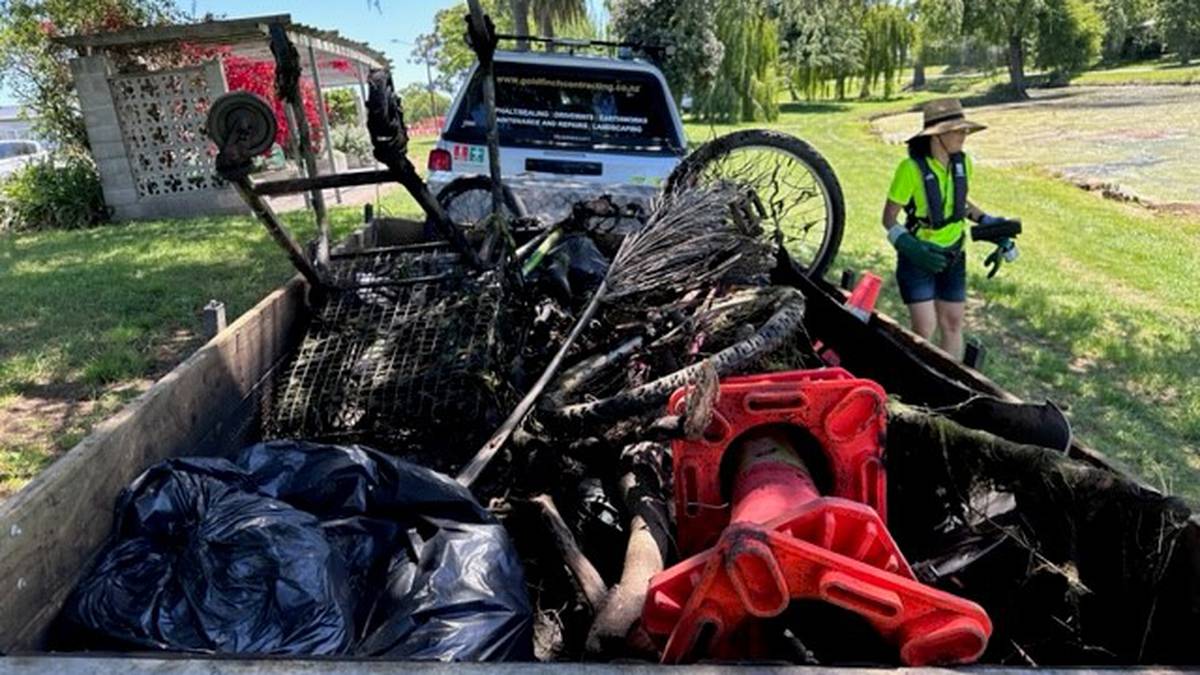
[{"x": 1006, "y": 552}]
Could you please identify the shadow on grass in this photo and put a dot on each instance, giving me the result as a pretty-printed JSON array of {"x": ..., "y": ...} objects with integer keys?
[
  {"x": 812, "y": 107},
  {"x": 966, "y": 71},
  {"x": 994, "y": 95}
]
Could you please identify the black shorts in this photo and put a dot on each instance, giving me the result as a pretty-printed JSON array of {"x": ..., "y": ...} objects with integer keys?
[{"x": 917, "y": 285}]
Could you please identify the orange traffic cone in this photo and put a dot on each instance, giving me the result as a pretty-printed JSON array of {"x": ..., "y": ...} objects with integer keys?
[
  {"x": 861, "y": 304},
  {"x": 863, "y": 297}
]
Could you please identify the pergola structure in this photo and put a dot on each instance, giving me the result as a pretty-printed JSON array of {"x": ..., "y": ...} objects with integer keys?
[{"x": 146, "y": 127}]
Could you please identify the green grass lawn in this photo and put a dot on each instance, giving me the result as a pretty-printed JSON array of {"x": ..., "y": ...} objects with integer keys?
[
  {"x": 1158, "y": 71},
  {"x": 90, "y": 316},
  {"x": 1099, "y": 314}
]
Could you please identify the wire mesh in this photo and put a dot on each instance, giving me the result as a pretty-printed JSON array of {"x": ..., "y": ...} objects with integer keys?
[
  {"x": 393, "y": 265},
  {"x": 405, "y": 357}
]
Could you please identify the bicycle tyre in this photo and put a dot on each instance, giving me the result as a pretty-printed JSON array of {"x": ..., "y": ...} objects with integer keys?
[{"x": 692, "y": 168}]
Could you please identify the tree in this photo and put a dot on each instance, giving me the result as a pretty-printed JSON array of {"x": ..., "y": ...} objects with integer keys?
[
  {"x": 420, "y": 103},
  {"x": 548, "y": 13},
  {"x": 887, "y": 36},
  {"x": 36, "y": 69},
  {"x": 1011, "y": 23},
  {"x": 687, "y": 27},
  {"x": 821, "y": 41},
  {"x": 446, "y": 47},
  {"x": 936, "y": 24},
  {"x": 1179, "y": 23},
  {"x": 1121, "y": 19},
  {"x": 745, "y": 86},
  {"x": 1069, "y": 37},
  {"x": 425, "y": 53},
  {"x": 520, "y": 13}
]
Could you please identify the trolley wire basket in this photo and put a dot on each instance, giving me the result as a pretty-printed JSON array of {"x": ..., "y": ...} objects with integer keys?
[{"x": 406, "y": 355}]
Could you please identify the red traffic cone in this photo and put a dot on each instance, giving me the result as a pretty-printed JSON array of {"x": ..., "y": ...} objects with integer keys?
[{"x": 863, "y": 297}]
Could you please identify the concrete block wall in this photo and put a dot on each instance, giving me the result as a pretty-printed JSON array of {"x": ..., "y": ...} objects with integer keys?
[{"x": 92, "y": 75}]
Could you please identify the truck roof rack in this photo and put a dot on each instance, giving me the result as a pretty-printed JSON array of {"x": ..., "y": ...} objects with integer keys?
[{"x": 574, "y": 45}]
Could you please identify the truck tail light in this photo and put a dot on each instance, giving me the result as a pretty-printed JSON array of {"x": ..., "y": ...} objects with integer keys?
[{"x": 440, "y": 160}]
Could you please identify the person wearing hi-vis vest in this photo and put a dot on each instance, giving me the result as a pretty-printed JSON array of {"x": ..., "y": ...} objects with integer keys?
[{"x": 930, "y": 186}]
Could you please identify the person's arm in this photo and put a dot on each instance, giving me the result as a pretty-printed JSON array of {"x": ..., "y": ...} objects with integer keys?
[
  {"x": 974, "y": 213},
  {"x": 899, "y": 193},
  {"x": 978, "y": 215},
  {"x": 891, "y": 214}
]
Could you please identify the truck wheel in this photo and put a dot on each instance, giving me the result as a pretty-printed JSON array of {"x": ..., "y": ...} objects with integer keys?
[{"x": 800, "y": 194}]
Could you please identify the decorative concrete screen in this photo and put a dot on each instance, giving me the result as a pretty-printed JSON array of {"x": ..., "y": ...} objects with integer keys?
[
  {"x": 162, "y": 122},
  {"x": 147, "y": 136}
]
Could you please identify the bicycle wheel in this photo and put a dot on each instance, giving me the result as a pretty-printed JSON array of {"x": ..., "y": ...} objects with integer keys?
[{"x": 798, "y": 190}]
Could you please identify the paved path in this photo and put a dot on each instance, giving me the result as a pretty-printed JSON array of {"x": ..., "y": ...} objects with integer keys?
[{"x": 355, "y": 196}]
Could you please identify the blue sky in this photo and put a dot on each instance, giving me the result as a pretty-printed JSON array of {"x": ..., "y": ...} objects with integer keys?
[{"x": 391, "y": 29}]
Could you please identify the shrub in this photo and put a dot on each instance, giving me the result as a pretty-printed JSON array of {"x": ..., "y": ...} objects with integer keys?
[
  {"x": 341, "y": 106},
  {"x": 58, "y": 193},
  {"x": 352, "y": 141}
]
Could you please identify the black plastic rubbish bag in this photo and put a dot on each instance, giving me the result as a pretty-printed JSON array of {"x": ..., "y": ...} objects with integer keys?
[
  {"x": 574, "y": 267},
  {"x": 300, "y": 548}
]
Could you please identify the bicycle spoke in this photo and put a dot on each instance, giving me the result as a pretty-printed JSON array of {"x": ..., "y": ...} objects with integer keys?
[{"x": 791, "y": 192}]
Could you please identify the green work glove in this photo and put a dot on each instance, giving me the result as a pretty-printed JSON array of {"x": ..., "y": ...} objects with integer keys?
[
  {"x": 925, "y": 255},
  {"x": 1006, "y": 251}
]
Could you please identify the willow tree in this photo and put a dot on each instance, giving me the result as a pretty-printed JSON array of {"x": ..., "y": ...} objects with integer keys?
[
  {"x": 822, "y": 41},
  {"x": 887, "y": 36},
  {"x": 745, "y": 87},
  {"x": 1070, "y": 35},
  {"x": 1122, "y": 21},
  {"x": 549, "y": 15}
]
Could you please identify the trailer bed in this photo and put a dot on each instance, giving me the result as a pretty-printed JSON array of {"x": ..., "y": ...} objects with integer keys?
[{"x": 212, "y": 404}]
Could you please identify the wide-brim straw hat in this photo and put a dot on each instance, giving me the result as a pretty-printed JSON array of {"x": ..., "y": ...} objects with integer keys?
[{"x": 946, "y": 114}]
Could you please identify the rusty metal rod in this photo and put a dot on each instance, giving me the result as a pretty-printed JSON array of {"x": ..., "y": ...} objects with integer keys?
[
  {"x": 266, "y": 216},
  {"x": 483, "y": 42},
  {"x": 287, "y": 186},
  {"x": 294, "y": 100}
]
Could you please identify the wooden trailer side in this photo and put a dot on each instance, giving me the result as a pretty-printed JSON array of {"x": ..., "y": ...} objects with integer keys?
[{"x": 50, "y": 530}]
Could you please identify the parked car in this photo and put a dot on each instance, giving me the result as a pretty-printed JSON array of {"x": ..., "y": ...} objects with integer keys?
[
  {"x": 17, "y": 153},
  {"x": 571, "y": 127}
]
